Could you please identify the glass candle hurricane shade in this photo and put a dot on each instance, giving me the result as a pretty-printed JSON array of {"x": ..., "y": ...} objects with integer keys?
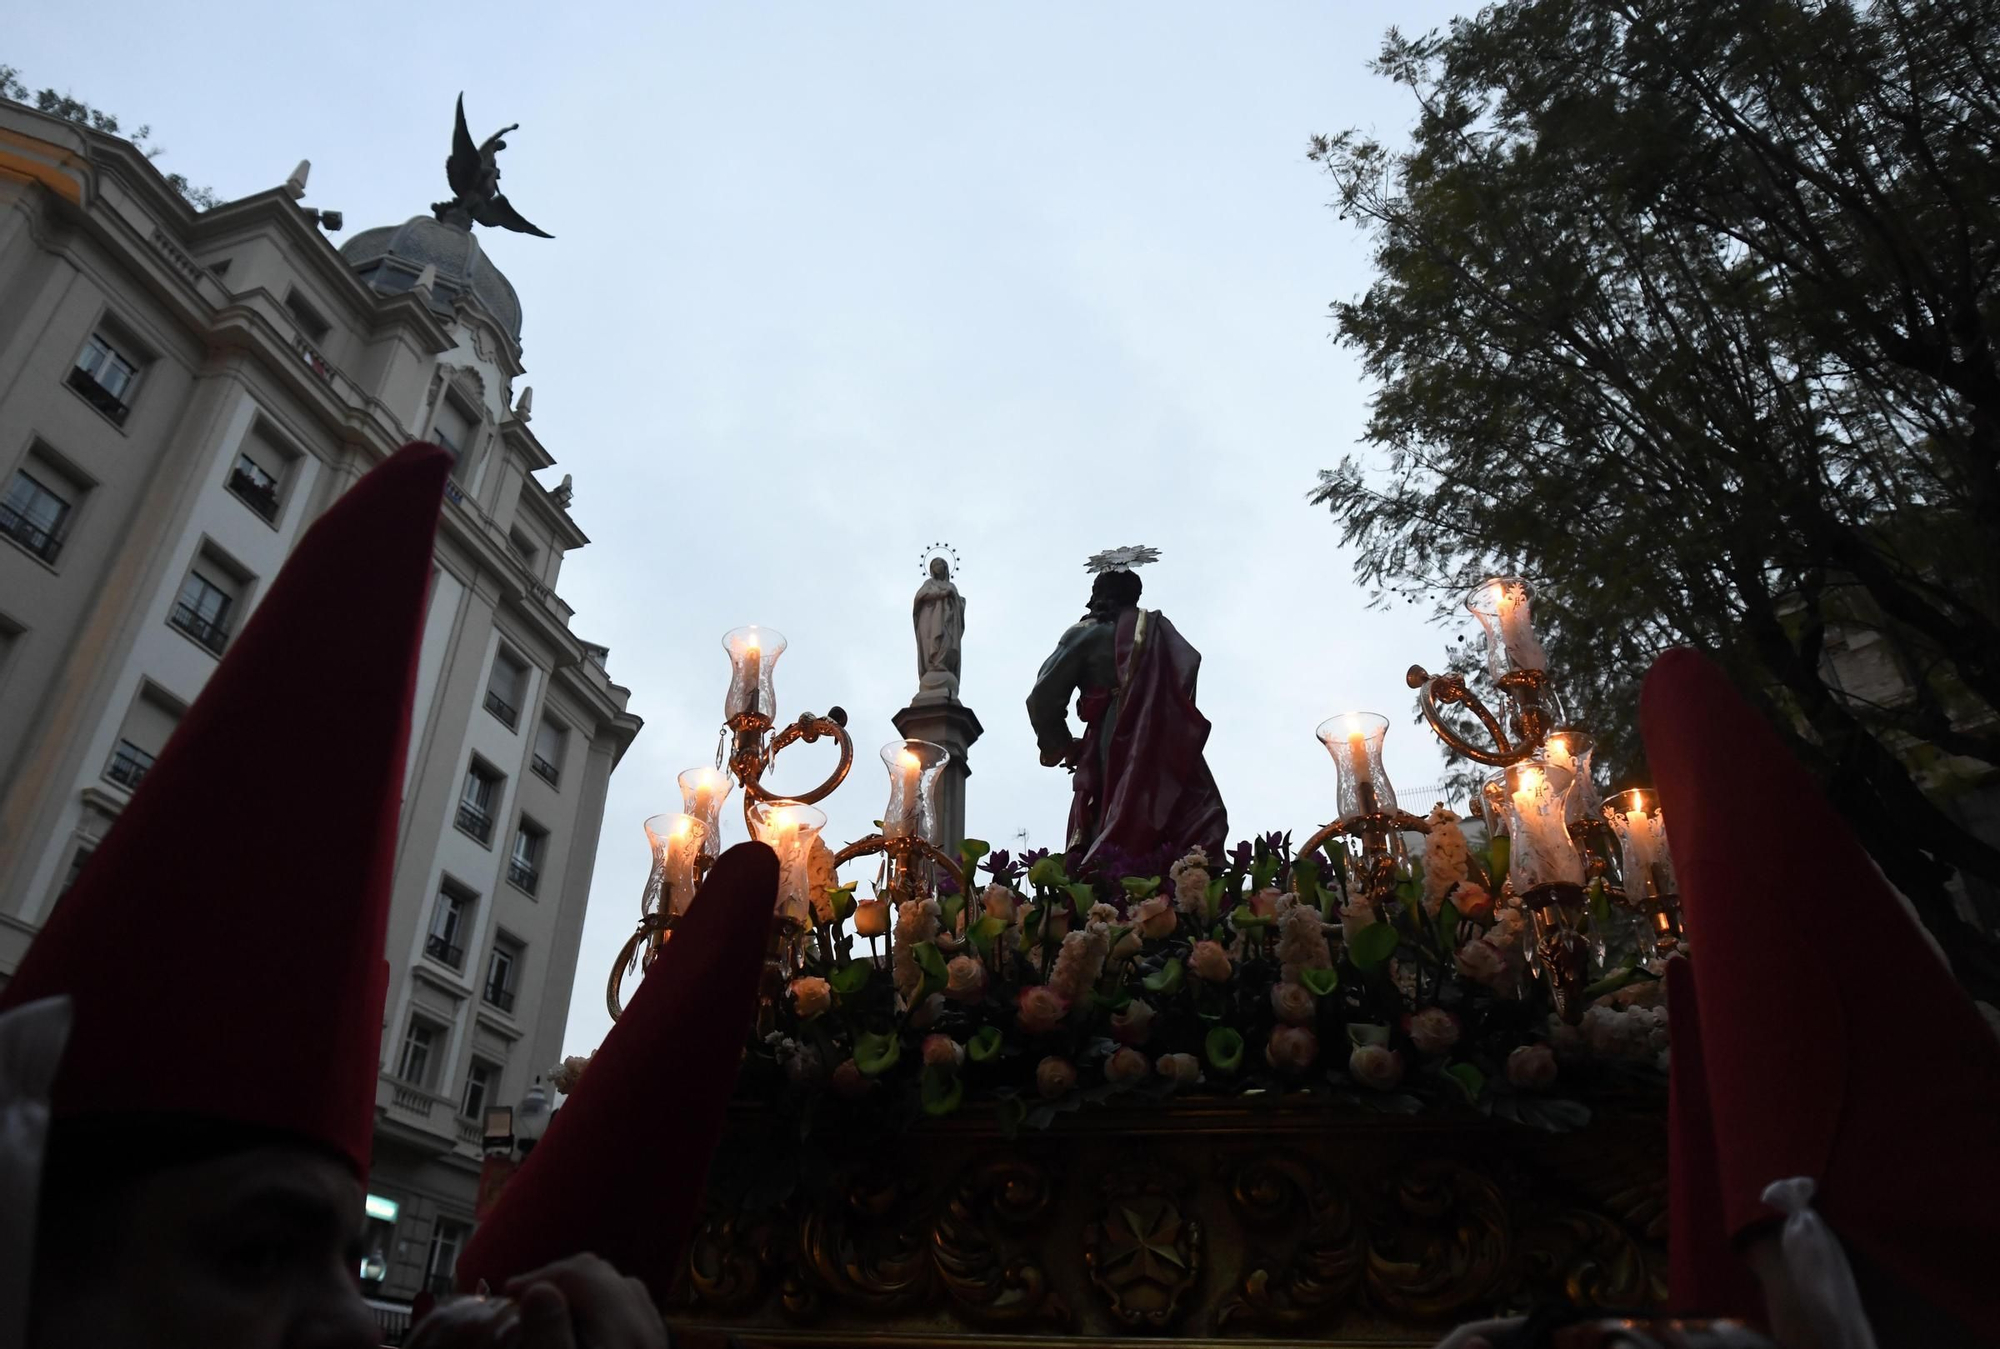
[
  {"x": 914, "y": 769},
  {"x": 1542, "y": 861},
  {"x": 676, "y": 841},
  {"x": 1501, "y": 606},
  {"x": 1572, "y": 749},
  {"x": 790, "y": 828},
  {"x": 1493, "y": 803},
  {"x": 753, "y": 654},
  {"x": 1647, "y": 869},
  {"x": 703, "y": 793},
  {"x": 1354, "y": 739}
]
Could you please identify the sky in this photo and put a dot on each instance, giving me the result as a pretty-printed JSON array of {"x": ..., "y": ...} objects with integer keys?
[{"x": 832, "y": 282}]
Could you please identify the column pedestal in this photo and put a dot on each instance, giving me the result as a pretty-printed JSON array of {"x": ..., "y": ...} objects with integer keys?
[{"x": 948, "y": 722}]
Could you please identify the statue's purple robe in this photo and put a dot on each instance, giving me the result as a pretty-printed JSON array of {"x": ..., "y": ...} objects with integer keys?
[{"x": 1142, "y": 787}]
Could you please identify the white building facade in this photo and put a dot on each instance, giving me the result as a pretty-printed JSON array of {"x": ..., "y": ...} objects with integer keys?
[{"x": 181, "y": 395}]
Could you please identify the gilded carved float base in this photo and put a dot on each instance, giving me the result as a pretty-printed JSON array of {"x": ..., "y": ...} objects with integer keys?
[{"x": 1189, "y": 1223}]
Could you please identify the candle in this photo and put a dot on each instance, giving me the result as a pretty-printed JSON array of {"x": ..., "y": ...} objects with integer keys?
[
  {"x": 903, "y": 811},
  {"x": 1571, "y": 750},
  {"x": 1357, "y": 764},
  {"x": 753, "y": 674},
  {"x": 1517, "y": 633},
  {"x": 684, "y": 836},
  {"x": 703, "y": 790},
  {"x": 1542, "y": 854}
]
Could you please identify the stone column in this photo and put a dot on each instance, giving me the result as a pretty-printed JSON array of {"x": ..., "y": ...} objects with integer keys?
[{"x": 943, "y": 720}]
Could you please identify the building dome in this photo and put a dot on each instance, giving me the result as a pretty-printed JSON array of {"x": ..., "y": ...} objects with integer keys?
[{"x": 390, "y": 258}]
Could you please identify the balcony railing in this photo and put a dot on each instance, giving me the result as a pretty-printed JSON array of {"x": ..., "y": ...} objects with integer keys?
[
  {"x": 439, "y": 948},
  {"x": 523, "y": 874},
  {"x": 412, "y": 1097},
  {"x": 500, "y": 996},
  {"x": 128, "y": 765},
  {"x": 256, "y": 490},
  {"x": 545, "y": 770},
  {"x": 475, "y": 821},
  {"x": 43, "y": 543},
  {"x": 210, "y": 632},
  {"x": 509, "y": 715},
  {"x": 469, "y": 1132},
  {"x": 95, "y": 394}
]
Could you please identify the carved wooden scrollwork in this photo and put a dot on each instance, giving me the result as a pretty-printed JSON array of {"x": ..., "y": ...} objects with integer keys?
[
  {"x": 859, "y": 1246},
  {"x": 1288, "y": 1196},
  {"x": 726, "y": 1263},
  {"x": 1589, "y": 1260},
  {"x": 1144, "y": 1249},
  {"x": 982, "y": 1243},
  {"x": 1441, "y": 1242}
]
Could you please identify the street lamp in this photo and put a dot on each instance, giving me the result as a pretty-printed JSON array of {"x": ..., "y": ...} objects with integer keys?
[{"x": 531, "y": 1118}]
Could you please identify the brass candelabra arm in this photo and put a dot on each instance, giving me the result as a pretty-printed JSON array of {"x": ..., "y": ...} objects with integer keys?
[
  {"x": 1358, "y": 826},
  {"x": 1450, "y": 688},
  {"x": 901, "y": 850},
  {"x": 652, "y": 928},
  {"x": 751, "y": 765}
]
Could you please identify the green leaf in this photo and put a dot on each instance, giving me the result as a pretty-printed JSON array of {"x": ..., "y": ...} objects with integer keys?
[
  {"x": 1224, "y": 1049},
  {"x": 1166, "y": 980},
  {"x": 984, "y": 932},
  {"x": 875, "y": 1054},
  {"x": 931, "y": 961},
  {"x": 1305, "y": 881},
  {"x": 1447, "y": 926},
  {"x": 1500, "y": 849},
  {"x": 1361, "y": 1033},
  {"x": 1321, "y": 982},
  {"x": 969, "y": 852},
  {"x": 1469, "y": 1079},
  {"x": 842, "y": 897},
  {"x": 1112, "y": 1002},
  {"x": 1141, "y": 887},
  {"x": 1372, "y": 946},
  {"x": 1082, "y": 896},
  {"x": 1013, "y": 1113},
  {"x": 851, "y": 978},
  {"x": 1600, "y": 905},
  {"x": 949, "y": 910},
  {"x": 1213, "y": 899},
  {"x": 1031, "y": 922},
  {"x": 942, "y": 1091},
  {"x": 984, "y": 1045},
  {"x": 1048, "y": 873}
]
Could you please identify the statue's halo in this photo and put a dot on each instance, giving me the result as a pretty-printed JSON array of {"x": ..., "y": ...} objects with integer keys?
[
  {"x": 943, "y": 550},
  {"x": 1122, "y": 559}
]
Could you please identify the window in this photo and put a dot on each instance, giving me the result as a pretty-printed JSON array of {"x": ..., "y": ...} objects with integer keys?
[
  {"x": 477, "y": 801},
  {"x": 105, "y": 376},
  {"x": 451, "y": 920},
  {"x": 503, "y": 968},
  {"x": 35, "y": 513},
  {"x": 148, "y": 725},
  {"x": 482, "y": 1081},
  {"x": 76, "y": 863},
  {"x": 506, "y": 689},
  {"x": 206, "y": 605},
  {"x": 257, "y": 477},
  {"x": 417, "y": 1063},
  {"x": 315, "y": 328},
  {"x": 524, "y": 868},
  {"x": 447, "y": 1239},
  {"x": 451, "y": 428},
  {"x": 548, "y": 755}
]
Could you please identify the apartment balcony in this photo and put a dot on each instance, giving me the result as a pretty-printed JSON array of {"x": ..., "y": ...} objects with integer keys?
[
  {"x": 128, "y": 765},
  {"x": 420, "y": 1115},
  {"x": 523, "y": 874},
  {"x": 545, "y": 770},
  {"x": 255, "y": 489},
  {"x": 509, "y": 715},
  {"x": 43, "y": 543},
  {"x": 444, "y": 951},
  {"x": 476, "y": 821},
  {"x": 99, "y": 397},
  {"x": 209, "y": 632},
  {"x": 500, "y": 997}
]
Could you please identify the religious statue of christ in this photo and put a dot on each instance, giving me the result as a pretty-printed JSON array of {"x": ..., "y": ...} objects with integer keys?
[{"x": 1141, "y": 787}]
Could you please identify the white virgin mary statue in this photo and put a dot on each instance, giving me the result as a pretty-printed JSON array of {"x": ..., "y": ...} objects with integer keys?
[{"x": 939, "y": 615}]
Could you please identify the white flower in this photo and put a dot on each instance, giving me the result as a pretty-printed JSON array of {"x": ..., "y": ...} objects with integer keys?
[
  {"x": 917, "y": 920},
  {"x": 1125, "y": 1067},
  {"x": 1154, "y": 917},
  {"x": 811, "y": 996},
  {"x": 1183, "y": 1070},
  {"x": 1481, "y": 961},
  {"x": 1133, "y": 1022},
  {"x": 1190, "y": 888},
  {"x": 1376, "y": 1066},
  {"x": 1102, "y": 913},
  {"x": 1447, "y": 860},
  {"x": 1054, "y": 1077},
  {"x": 941, "y": 1051},
  {"x": 1291, "y": 1048},
  {"x": 820, "y": 878},
  {"x": 1302, "y": 942},
  {"x": 1209, "y": 961},
  {"x": 1433, "y": 1030},
  {"x": 568, "y": 1073},
  {"x": 1293, "y": 1003},
  {"x": 1354, "y": 916},
  {"x": 965, "y": 979},
  {"x": 1079, "y": 963},
  {"x": 998, "y": 901},
  {"x": 871, "y": 918},
  {"x": 1531, "y": 1067}
]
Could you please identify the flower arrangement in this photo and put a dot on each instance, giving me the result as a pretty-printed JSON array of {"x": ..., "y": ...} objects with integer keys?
[{"x": 1257, "y": 972}]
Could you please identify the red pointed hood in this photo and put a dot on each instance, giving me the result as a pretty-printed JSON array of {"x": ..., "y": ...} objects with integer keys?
[
  {"x": 623, "y": 1169},
  {"x": 1705, "y": 1275},
  {"x": 223, "y": 948},
  {"x": 1835, "y": 1044}
]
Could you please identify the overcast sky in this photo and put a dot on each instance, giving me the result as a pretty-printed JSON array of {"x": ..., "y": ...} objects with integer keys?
[{"x": 830, "y": 282}]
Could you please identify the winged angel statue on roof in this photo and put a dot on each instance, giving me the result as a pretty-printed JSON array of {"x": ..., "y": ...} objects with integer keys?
[{"x": 474, "y": 174}]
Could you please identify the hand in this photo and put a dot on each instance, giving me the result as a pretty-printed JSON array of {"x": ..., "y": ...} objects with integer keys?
[{"x": 583, "y": 1303}]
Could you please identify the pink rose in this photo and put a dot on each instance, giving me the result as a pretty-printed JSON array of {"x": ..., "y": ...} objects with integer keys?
[
  {"x": 1210, "y": 961},
  {"x": 847, "y": 1079},
  {"x": 871, "y": 918},
  {"x": 1128, "y": 945},
  {"x": 1292, "y": 1048},
  {"x": 1132, "y": 1023},
  {"x": 1183, "y": 1070},
  {"x": 1376, "y": 1066},
  {"x": 1040, "y": 1009},
  {"x": 1054, "y": 1077},
  {"x": 1472, "y": 900},
  {"x": 811, "y": 996},
  {"x": 998, "y": 901},
  {"x": 965, "y": 979},
  {"x": 1353, "y": 917},
  {"x": 1264, "y": 904},
  {"x": 1294, "y": 1003},
  {"x": 941, "y": 1051},
  {"x": 1155, "y": 917},
  {"x": 1480, "y": 961},
  {"x": 1531, "y": 1067},
  {"x": 1433, "y": 1030},
  {"x": 1125, "y": 1067}
]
